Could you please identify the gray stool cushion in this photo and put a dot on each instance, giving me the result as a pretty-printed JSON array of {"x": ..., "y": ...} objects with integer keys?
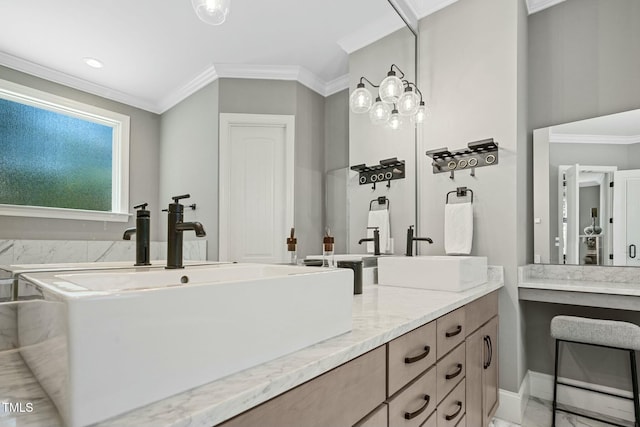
[{"x": 595, "y": 331}]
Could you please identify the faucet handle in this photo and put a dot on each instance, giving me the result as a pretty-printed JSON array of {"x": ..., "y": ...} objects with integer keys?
[
  {"x": 142, "y": 206},
  {"x": 184, "y": 196},
  {"x": 373, "y": 228}
]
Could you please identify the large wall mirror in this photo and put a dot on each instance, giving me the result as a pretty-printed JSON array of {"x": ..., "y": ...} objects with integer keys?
[
  {"x": 348, "y": 203},
  {"x": 587, "y": 191}
]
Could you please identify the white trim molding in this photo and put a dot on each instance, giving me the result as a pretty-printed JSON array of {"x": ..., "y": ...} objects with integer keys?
[
  {"x": 541, "y": 386},
  {"x": 534, "y": 6},
  {"x": 570, "y": 138},
  {"x": 512, "y": 405}
]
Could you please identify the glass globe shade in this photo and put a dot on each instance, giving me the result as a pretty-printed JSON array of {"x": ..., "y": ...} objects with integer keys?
[
  {"x": 360, "y": 100},
  {"x": 391, "y": 88},
  {"x": 379, "y": 113},
  {"x": 420, "y": 115},
  {"x": 213, "y": 12},
  {"x": 395, "y": 121},
  {"x": 408, "y": 102}
]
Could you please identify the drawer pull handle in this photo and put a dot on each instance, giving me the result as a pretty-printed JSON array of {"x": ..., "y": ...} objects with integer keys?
[
  {"x": 455, "y": 414},
  {"x": 454, "y": 332},
  {"x": 456, "y": 373},
  {"x": 421, "y": 356},
  {"x": 412, "y": 415}
]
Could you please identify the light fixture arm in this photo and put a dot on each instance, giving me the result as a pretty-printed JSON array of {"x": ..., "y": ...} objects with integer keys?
[
  {"x": 367, "y": 80},
  {"x": 398, "y": 69},
  {"x": 415, "y": 87}
]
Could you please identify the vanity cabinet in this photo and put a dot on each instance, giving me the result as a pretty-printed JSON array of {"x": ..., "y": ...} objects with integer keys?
[
  {"x": 340, "y": 397},
  {"x": 482, "y": 362},
  {"x": 442, "y": 374}
]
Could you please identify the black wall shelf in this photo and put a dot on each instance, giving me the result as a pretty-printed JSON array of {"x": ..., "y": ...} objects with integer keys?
[
  {"x": 478, "y": 154},
  {"x": 387, "y": 170}
]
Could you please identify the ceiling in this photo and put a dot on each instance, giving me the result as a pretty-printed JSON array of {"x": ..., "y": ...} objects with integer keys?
[
  {"x": 619, "y": 128},
  {"x": 156, "y": 53}
]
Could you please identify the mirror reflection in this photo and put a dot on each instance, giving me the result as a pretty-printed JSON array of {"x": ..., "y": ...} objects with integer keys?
[{"x": 587, "y": 191}]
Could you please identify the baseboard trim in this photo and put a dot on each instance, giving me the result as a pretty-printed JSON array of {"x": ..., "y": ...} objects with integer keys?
[
  {"x": 512, "y": 405},
  {"x": 541, "y": 386}
]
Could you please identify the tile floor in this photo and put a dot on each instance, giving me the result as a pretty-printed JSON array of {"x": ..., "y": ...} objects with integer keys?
[{"x": 538, "y": 414}]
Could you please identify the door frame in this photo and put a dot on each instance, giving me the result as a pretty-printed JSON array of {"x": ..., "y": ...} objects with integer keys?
[{"x": 227, "y": 122}]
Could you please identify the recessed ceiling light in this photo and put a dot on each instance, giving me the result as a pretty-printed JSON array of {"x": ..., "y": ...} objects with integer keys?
[{"x": 93, "y": 62}]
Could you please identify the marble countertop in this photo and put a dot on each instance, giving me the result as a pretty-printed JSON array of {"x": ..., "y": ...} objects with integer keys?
[
  {"x": 380, "y": 314},
  {"x": 610, "y": 288}
]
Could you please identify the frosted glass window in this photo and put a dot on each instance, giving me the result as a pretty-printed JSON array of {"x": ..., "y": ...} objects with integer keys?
[
  {"x": 50, "y": 159},
  {"x": 60, "y": 158}
]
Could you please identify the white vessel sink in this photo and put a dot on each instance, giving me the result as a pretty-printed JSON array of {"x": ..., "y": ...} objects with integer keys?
[
  {"x": 440, "y": 273},
  {"x": 103, "y": 343}
]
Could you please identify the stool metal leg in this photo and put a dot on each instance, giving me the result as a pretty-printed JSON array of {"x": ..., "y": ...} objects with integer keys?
[
  {"x": 555, "y": 385},
  {"x": 634, "y": 381}
]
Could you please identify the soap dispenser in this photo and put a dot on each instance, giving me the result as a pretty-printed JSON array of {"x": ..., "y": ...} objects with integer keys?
[
  {"x": 328, "y": 260},
  {"x": 291, "y": 247}
]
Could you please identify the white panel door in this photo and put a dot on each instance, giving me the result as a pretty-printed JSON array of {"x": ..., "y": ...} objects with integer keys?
[
  {"x": 257, "y": 228},
  {"x": 573, "y": 216},
  {"x": 626, "y": 217}
]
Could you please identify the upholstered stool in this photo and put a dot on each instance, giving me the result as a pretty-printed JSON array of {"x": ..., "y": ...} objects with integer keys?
[{"x": 603, "y": 333}]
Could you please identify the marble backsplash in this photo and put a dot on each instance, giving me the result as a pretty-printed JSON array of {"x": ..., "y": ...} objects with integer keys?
[
  {"x": 581, "y": 273},
  {"x": 59, "y": 251}
]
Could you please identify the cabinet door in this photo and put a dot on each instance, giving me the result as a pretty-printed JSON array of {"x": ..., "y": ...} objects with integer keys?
[
  {"x": 477, "y": 351},
  {"x": 490, "y": 371}
]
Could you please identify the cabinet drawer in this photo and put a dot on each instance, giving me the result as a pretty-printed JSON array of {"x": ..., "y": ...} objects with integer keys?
[
  {"x": 410, "y": 355},
  {"x": 431, "y": 422},
  {"x": 413, "y": 405},
  {"x": 452, "y": 408},
  {"x": 378, "y": 418},
  {"x": 480, "y": 311},
  {"x": 340, "y": 397},
  {"x": 450, "y": 370},
  {"x": 450, "y": 331}
]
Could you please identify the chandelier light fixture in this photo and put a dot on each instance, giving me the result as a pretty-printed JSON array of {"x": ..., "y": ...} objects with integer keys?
[
  {"x": 397, "y": 98},
  {"x": 213, "y": 12}
]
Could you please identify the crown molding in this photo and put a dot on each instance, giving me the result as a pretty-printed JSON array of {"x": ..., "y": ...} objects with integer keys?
[
  {"x": 52, "y": 75},
  {"x": 534, "y": 6},
  {"x": 426, "y": 8},
  {"x": 337, "y": 85},
  {"x": 568, "y": 138},
  {"x": 208, "y": 75},
  {"x": 201, "y": 80},
  {"x": 407, "y": 11},
  {"x": 370, "y": 33}
]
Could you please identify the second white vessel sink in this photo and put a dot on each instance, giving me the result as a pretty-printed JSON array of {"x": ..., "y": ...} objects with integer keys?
[
  {"x": 440, "y": 273},
  {"x": 104, "y": 343}
]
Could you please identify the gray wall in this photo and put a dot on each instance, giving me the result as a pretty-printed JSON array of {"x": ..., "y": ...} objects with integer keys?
[
  {"x": 336, "y": 164},
  {"x": 369, "y": 144},
  {"x": 190, "y": 150},
  {"x": 471, "y": 73},
  {"x": 583, "y": 63},
  {"x": 144, "y": 173},
  {"x": 189, "y": 161}
]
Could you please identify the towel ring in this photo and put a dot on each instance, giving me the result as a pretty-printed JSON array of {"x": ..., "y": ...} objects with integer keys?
[
  {"x": 382, "y": 200},
  {"x": 460, "y": 192}
]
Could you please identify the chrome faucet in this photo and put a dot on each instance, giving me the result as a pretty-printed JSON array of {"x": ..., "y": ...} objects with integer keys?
[
  {"x": 411, "y": 239},
  {"x": 175, "y": 229},
  {"x": 142, "y": 230},
  {"x": 375, "y": 239}
]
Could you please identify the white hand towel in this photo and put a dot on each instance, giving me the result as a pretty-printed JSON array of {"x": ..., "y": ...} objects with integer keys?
[
  {"x": 380, "y": 219},
  {"x": 458, "y": 228}
]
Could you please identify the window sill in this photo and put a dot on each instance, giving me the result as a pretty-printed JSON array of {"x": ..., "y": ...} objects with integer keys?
[{"x": 61, "y": 213}]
